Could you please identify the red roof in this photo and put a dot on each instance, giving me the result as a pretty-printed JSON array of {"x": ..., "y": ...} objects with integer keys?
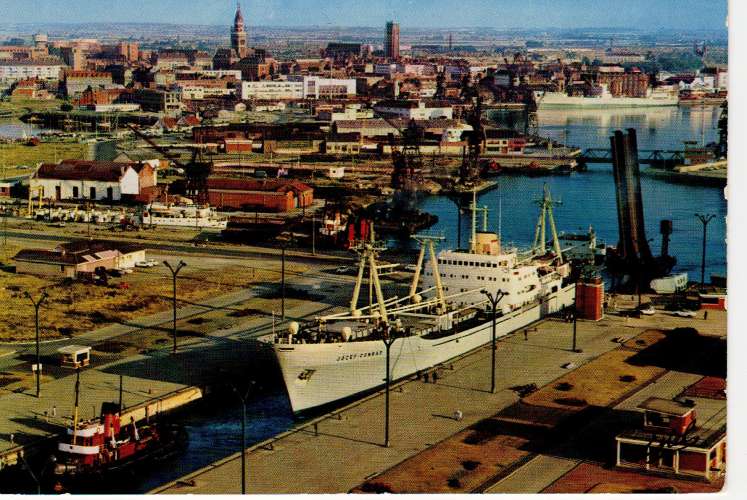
[
  {"x": 105, "y": 171},
  {"x": 169, "y": 122},
  {"x": 190, "y": 121},
  {"x": 275, "y": 185}
]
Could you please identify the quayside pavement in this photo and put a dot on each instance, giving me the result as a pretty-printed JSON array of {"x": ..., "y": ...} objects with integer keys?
[{"x": 337, "y": 452}]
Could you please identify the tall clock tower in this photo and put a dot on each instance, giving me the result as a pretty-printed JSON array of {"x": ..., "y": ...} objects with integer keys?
[{"x": 238, "y": 34}]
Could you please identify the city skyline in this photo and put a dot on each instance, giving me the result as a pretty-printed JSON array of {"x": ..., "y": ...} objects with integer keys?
[{"x": 537, "y": 14}]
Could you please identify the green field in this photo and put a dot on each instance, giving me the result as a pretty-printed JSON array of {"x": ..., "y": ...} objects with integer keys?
[
  {"x": 14, "y": 156},
  {"x": 18, "y": 108}
]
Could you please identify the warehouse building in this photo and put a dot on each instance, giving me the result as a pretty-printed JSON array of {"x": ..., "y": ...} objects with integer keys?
[
  {"x": 265, "y": 195},
  {"x": 92, "y": 180}
]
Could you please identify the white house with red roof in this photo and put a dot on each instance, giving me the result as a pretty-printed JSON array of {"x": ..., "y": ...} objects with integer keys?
[{"x": 89, "y": 180}]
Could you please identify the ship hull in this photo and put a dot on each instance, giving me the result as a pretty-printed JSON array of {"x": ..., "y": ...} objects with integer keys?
[
  {"x": 317, "y": 375},
  {"x": 552, "y": 101}
]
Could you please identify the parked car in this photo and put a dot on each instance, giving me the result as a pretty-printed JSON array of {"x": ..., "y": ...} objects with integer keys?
[
  {"x": 146, "y": 263},
  {"x": 684, "y": 313}
]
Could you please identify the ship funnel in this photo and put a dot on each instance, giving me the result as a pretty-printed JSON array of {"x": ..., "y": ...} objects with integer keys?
[{"x": 487, "y": 244}]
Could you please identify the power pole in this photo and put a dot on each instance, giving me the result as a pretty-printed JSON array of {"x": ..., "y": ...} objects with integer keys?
[{"x": 174, "y": 273}]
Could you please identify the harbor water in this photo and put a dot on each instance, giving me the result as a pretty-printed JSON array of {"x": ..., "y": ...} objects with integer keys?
[{"x": 588, "y": 198}]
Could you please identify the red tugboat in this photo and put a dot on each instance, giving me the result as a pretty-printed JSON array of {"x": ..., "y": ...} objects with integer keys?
[{"x": 93, "y": 451}]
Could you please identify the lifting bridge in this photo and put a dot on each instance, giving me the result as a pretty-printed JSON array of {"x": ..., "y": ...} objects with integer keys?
[{"x": 657, "y": 157}]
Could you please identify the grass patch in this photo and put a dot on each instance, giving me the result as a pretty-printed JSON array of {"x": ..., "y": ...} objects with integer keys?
[
  {"x": 242, "y": 313},
  {"x": 112, "y": 347},
  {"x": 6, "y": 381}
]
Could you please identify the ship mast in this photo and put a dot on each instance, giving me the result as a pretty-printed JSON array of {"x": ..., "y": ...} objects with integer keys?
[
  {"x": 368, "y": 250},
  {"x": 427, "y": 240},
  {"x": 474, "y": 209},
  {"x": 546, "y": 205}
]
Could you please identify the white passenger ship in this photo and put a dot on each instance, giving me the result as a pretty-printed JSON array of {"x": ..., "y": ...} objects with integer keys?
[
  {"x": 194, "y": 216},
  {"x": 342, "y": 355}
]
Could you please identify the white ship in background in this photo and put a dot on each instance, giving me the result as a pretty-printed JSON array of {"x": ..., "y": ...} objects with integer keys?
[
  {"x": 341, "y": 355},
  {"x": 162, "y": 214},
  {"x": 605, "y": 100}
]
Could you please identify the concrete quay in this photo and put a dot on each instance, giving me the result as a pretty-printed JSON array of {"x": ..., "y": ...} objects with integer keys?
[{"x": 337, "y": 452}]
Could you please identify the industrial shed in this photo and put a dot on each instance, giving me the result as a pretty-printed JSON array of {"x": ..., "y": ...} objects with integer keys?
[
  {"x": 81, "y": 256},
  {"x": 269, "y": 195}
]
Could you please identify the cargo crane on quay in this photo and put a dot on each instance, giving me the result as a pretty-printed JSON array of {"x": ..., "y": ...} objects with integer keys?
[{"x": 400, "y": 216}]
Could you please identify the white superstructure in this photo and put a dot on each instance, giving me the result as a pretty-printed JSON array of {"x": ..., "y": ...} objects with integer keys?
[
  {"x": 159, "y": 214},
  {"x": 606, "y": 100},
  {"x": 341, "y": 355}
]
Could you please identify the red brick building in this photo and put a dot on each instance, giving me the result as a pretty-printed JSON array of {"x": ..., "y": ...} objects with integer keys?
[
  {"x": 102, "y": 97},
  {"x": 271, "y": 195}
]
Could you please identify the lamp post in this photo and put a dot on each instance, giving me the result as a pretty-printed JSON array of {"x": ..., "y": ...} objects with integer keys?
[
  {"x": 313, "y": 235},
  {"x": 575, "y": 321},
  {"x": 37, "y": 304},
  {"x": 284, "y": 242},
  {"x": 494, "y": 299},
  {"x": 704, "y": 219},
  {"x": 174, "y": 273},
  {"x": 243, "y": 398},
  {"x": 388, "y": 341},
  {"x": 282, "y": 282}
]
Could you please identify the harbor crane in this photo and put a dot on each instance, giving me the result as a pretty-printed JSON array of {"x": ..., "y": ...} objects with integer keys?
[{"x": 196, "y": 171}]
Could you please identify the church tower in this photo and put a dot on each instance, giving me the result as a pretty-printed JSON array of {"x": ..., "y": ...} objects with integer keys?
[{"x": 238, "y": 33}]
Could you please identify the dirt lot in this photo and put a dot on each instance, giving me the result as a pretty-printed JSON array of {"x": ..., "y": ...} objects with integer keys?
[
  {"x": 598, "y": 383},
  {"x": 458, "y": 465},
  {"x": 592, "y": 478},
  {"x": 73, "y": 307}
]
